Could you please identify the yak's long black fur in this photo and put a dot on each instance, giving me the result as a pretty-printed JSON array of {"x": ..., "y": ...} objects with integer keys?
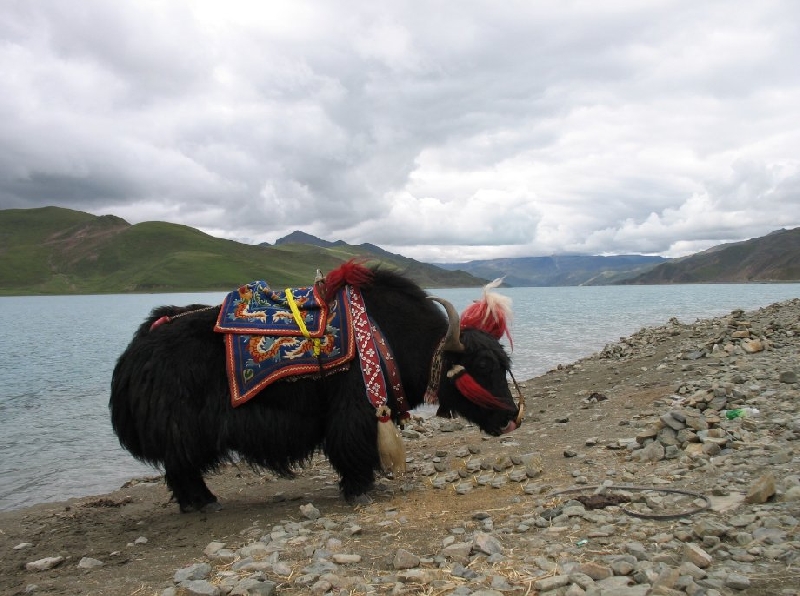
[{"x": 170, "y": 402}]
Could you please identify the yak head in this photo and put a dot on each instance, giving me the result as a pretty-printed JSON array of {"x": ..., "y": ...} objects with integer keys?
[{"x": 474, "y": 368}]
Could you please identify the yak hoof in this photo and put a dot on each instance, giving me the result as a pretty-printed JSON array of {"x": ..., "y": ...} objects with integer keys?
[
  {"x": 212, "y": 507},
  {"x": 363, "y": 499}
]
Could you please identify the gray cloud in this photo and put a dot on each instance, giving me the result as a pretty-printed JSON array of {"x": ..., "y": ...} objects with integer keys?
[{"x": 444, "y": 131}]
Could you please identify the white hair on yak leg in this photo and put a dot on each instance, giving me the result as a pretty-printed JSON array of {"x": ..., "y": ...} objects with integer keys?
[{"x": 492, "y": 313}]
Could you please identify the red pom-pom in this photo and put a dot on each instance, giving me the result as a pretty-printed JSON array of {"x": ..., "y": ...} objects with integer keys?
[
  {"x": 492, "y": 313},
  {"x": 352, "y": 273},
  {"x": 480, "y": 316}
]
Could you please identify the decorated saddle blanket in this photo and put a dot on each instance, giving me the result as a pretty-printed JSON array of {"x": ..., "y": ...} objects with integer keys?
[
  {"x": 258, "y": 309},
  {"x": 277, "y": 334}
]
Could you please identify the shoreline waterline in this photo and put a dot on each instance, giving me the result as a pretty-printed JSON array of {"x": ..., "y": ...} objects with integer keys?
[{"x": 53, "y": 409}]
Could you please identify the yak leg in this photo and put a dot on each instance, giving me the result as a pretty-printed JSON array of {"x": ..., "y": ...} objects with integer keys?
[
  {"x": 351, "y": 445},
  {"x": 190, "y": 490}
]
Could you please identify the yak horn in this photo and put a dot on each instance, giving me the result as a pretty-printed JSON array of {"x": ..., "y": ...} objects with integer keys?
[{"x": 452, "y": 341}]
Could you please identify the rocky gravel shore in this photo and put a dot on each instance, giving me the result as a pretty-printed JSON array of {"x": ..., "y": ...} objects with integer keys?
[{"x": 664, "y": 464}]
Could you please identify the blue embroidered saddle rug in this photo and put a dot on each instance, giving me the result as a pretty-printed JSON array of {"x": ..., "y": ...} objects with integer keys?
[{"x": 276, "y": 334}]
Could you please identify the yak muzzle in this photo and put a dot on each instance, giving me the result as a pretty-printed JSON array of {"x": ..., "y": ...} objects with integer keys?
[{"x": 474, "y": 392}]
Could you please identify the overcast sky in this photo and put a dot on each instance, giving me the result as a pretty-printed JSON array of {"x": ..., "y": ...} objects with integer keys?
[{"x": 442, "y": 130}]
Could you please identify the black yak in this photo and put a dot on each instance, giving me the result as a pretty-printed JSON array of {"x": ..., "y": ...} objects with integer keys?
[{"x": 171, "y": 400}]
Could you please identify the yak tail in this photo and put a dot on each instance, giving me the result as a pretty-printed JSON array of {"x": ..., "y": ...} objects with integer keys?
[{"x": 352, "y": 273}]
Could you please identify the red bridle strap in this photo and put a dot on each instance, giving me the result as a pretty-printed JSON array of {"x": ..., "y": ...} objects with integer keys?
[{"x": 474, "y": 391}]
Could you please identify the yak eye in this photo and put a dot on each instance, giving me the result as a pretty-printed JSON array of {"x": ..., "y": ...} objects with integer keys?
[{"x": 484, "y": 365}]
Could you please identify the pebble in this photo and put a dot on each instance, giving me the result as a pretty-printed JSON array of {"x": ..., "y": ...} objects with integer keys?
[
  {"x": 45, "y": 563},
  {"x": 89, "y": 563},
  {"x": 405, "y": 560}
]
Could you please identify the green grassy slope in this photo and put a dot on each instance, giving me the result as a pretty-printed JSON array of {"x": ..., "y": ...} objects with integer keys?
[
  {"x": 59, "y": 251},
  {"x": 771, "y": 258}
]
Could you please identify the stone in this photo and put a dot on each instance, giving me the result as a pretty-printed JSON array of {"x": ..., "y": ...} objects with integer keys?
[
  {"x": 653, "y": 452},
  {"x": 689, "y": 568},
  {"x": 321, "y": 587},
  {"x": 671, "y": 420},
  {"x": 647, "y": 434},
  {"x": 282, "y": 569},
  {"x": 212, "y": 548},
  {"x": 551, "y": 583},
  {"x": 666, "y": 579},
  {"x": 596, "y": 571},
  {"x": 309, "y": 511},
  {"x": 421, "y": 576},
  {"x": 696, "y": 556},
  {"x": 251, "y": 586},
  {"x": 695, "y": 449},
  {"x": 782, "y": 457},
  {"x": 637, "y": 550},
  {"x": 502, "y": 463},
  {"x": 792, "y": 495},
  {"x": 256, "y": 550},
  {"x": 198, "y": 571},
  {"x": 89, "y": 563},
  {"x": 458, "y": 551},
  {"x": 345, "y": 558},
  {"x": 622, "y": 566},
  {"x": 737, "y": 581},
  {"x": 44, "y": 564},
  {"x": 761, "y": 490},
  {"x": 198, "y": 587},
  {"x": 403, "y": 559},
  {"x": 752, "y": 346},
  {"x": 487, "y": 544},
  {"x": 696, "y": 422},
  {"x": 709, "y": 527},
  {"x": 668, "y": 436}
]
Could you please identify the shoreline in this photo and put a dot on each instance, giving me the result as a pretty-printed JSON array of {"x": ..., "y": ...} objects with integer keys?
[
  {"x": 538, "y": 351},
  {"x": 602, "y": 419}
]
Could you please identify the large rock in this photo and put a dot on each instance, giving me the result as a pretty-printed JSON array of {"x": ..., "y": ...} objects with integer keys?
[{"x": 761, "y": 490}]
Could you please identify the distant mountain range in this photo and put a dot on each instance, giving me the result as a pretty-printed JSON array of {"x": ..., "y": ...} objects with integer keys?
[
  {"x": 563, "y": 270},
  {"x": 560, "y": 270},
  {"x": 771, "y": 258},
  {"x": 52, "y": 250}
]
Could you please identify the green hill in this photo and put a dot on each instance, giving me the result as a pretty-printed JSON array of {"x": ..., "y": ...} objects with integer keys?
[
  {"x": 771, "y": 258},
  {"x": 52, "y": 250}
]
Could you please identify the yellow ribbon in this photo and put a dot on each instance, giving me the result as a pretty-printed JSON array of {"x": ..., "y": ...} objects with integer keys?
[{"x": 298, "y": 318}]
